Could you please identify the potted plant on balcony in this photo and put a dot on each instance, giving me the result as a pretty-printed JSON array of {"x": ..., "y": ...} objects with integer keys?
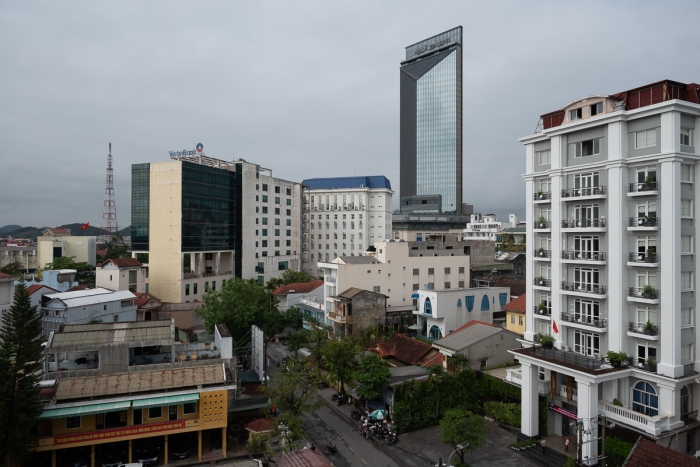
[
  {"x": 651, "y": 255},
  {"x": 540, "y": 280},
  {"x": 540, "y": 251},
  {"x": 541, "y": 308},
  {"x": 649, "y": 292},
  {"x": 547, "y": 341},
  {"x": 541, "y": 222},
  {"x": 617, "y": 359},
  {"x": 650, "y": 220},
  {"x": 648, "y": 183},
  {"x": 540, "y": 194},
  {"x": 649, "y": 329},
  {"x": 650, "y": 364}
]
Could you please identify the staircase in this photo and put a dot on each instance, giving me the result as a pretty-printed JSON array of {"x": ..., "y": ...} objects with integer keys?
[{"x": 206, "y": 443}]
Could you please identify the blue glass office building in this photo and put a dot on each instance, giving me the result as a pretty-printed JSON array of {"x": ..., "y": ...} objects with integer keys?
[{"x": 431, "y": 125}]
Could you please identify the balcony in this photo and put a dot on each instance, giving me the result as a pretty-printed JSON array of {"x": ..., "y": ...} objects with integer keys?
[
  {"x": 642, "y": 330},
  {"x": 582, "y": 289},
  {"x": 584, "y": 257},
  {"x": 562, "y": 392},
  {"x": 643, "y": 189},
  {"x": 590, "y": 192},
  {"x": 594, "y": 225},
  {"x": 648, "y": 295},
  {"x": 643, "y": 223},
  {"x": 542, "y": 197},
  {"x": 541, "y": 282},
  {"x": 651, "y": 425},
  {"x": 545, "y": 313},
  {"x": 542, "y": 225},
  {"x": 569, "y": 358},
  {"x": 644, "y": 364},
  {"x": 542, "y": 254},
  {"x": 689, "y": 417},
  {"x": 581, "y": 321},
  {"x": 647, "y": 259},
  {"x": 339, "y": 318},
  {"x": 515, "y": 377}
]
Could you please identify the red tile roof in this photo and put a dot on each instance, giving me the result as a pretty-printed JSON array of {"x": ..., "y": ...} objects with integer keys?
[
  {"x": 299, "y": 287},
  {"x": 517, "y": 305},
  {"x": 646, "y": 453},
  {"x": 260, "y": 425},
  {"x": 35, "y": 287},
  {"x": 5, "y": 276},
  {"x": 75, "y": 288},
  {"x": 405, "y": 349},
  {"x": 142, "y": 298},
  {"x": 434, "y": 360},
  {"x": 303, "y": 458},
  {"x": 470, "y": 324},
  {"x": 58, "y": 231},
  {"x": 122, "y": 262}
]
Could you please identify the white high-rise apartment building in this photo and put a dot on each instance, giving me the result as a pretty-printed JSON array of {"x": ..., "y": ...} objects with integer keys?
[
  {"x": 343, "y": 217},
  {"x": 612, "y": 265}
]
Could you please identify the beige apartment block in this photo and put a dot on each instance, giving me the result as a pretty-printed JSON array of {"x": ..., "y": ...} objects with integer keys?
[{"x": 50, "y": 247}]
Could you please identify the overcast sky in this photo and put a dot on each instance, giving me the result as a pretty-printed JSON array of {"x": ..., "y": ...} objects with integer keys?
[{"x": 308, "y": 89}]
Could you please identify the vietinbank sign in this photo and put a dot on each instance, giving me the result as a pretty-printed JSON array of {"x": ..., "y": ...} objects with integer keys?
[{"x": 195, "y": 152}]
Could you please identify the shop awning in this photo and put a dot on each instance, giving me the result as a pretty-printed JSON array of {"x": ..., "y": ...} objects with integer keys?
[
  {"x": 415, "y": 295},
  {"x": 414, "y": 326},
  {"x": 165, "y": 401},
  {"x": 85, "y": 410}
]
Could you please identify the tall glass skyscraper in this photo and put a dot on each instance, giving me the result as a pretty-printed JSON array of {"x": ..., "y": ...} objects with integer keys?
[{"x": 431, "y": 125}]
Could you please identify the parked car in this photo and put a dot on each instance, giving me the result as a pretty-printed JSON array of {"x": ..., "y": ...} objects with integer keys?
[
  {"x": 112, "y": 458},
  {"x": 148, "y": 453},
  {"x": 181, "y": 445},
  {"x": 133, "y": 464}
]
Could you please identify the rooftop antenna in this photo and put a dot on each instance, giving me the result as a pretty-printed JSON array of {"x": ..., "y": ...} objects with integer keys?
[{"x": 110, "y": 228}]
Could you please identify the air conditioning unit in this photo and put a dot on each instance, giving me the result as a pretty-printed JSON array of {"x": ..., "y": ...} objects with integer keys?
[
  {"x": 565, "y": 348},
  {"x": 596, "y": 356}
]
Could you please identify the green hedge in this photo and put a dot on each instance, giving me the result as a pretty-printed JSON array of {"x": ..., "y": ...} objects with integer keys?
[
  {"x": 503, "y": 412},
  {"x": 616, "y": 451}
]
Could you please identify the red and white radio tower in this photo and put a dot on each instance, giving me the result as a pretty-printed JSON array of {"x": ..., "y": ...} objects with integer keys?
[{"x": 110, "y": 229}]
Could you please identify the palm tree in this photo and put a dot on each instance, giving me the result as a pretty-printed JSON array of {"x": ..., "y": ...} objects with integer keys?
[{"x": 437, "y": 373}]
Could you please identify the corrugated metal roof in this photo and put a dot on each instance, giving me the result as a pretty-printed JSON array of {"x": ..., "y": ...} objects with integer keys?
[
  {"x": 359, "y": 260},
  {"x": 85, "y": 410},
  {"x": 467, "y": 336},
  {"x": 336, "y": 183},
  {"x": 79, "y": 293},
  {"x": 142, "y": 381},
  {"x": 76, "y": 335},
  {"x": 165, "y": 401},
  {"x": 96, "y": 299}
]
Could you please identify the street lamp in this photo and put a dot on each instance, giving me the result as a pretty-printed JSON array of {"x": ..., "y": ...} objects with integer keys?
[{"x": 459, "y": 448}]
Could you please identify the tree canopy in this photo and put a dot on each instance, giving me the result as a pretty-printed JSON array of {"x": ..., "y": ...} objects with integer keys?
[
  {"x": 85, "y": 271},
  {"x": 373, "y": 376},
  {"x": 239, "y": 304},
  {"x": 20, "y": 365},
  {"x": 294, "y": 390},
  {"x": 340, "y": 360},
  {"x": 14, "y": 269},
  {"x": 461, "y": 427},
  {"x": 290, "y": 276}
]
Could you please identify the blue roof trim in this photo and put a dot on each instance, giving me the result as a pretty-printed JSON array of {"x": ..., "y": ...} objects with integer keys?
[{"x": 372, "y": 181}]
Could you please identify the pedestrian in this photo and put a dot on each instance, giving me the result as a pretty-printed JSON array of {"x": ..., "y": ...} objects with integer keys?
[
  {"x": 313, "y": 448},
  {"x": 543, "y": 443},
  {"x": 566, "y": 445}
]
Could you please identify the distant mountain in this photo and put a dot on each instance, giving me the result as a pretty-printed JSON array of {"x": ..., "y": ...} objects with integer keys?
[
  {"x": 17, "y": 231},
  {"x": 9, "y": 228}
]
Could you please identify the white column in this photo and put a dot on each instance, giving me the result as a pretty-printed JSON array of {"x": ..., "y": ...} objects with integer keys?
[
  {"x": 587, "y": 411},
  {"x": 670, "y": 133},
  {"x": 669, "y": 273},
  {"x": 529, "y": 421},
  {"x": 558, "y": 300},
  {"x": 670, "y": 403},
  {"x": 530, "y": 236}
]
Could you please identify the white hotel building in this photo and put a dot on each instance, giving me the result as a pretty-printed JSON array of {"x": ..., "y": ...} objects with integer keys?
[{"x": 611, "y": 187}]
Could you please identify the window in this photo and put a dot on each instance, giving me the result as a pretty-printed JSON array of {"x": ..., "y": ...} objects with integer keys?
[
  {"x": 520, "y": 320},
  {"x": 686, "y": 173},
  {"x": 289, "y": 192},
  {"x": 687, "y": 353},
  {"x": 431, "y": 271},
  {"x": 586, "y": 343},
  {"x": 264, "y": 186},
  {"x": 544, "y": 157},
  {"x": 645, "y": 400},
  {"x": 461, "y": 284},
  {"x": 686, "y": 280},
  {"x": 575, "y": 114},
  {"x": 289, "y": 212},
  {"x": 289, "y": 222},
  {"x": 206, "y": 286},
  {"x": 461, "y": 269},
  {"x": 485, "y": 303},
  {"x": 72, "y": 422},
  {"x": 687, "y": 316},
  {"x": 416, "y": 272},
  {"x": 157, "y": 412},
  {"x": 512, "y": 319},
  {"x": 187, "y": 289},
  {"x": 277, "y": 212},
  {"x": 277, "y": 232},
  {"x": 264, "y": 221},
  {"x": 195, "y": 288},
  {"x": 264, "y": 198},
  {"x": 686, "y": 243},
  {"x": 264, "y": 232},
  {"x": 687, "y": 136},
  {"x": 277, "y": 221},
  {"x": 596, "y": 108},
  {"x": 264, "y": 243},
  {"x": 264, "y": 210},
  {"x": 289, "y": 232},
  {"x": 447, "y": 270},
  {"x": 686, "y": 208},
  {"x": 277, "y": 189},
  {"x": 277, "y": 200},
  {"x": 289, "y": 202},
  {"x": 585, "y": 148},
  {"x": 447, "y": 285},
  {"x": 427, "y": 307},
  {"x": 288, "y": 243},
  {"x": 375, "y": 288},
  {"x": 645, "y": 138},
  {"x": 189, "y": 408}
]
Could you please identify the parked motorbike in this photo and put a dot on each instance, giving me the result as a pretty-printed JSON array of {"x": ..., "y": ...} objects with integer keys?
[
  {"x": 341, "y": 400},
  {"x": 334, "y": 397},
  {"x": 331, "y": 449},
  {"x": 355, "y": 414},
  {"x": 391, "y": 438}
]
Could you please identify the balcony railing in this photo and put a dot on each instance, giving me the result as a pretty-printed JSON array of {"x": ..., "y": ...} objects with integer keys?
[
  {"x": 587, "y": 191},
  {"x": 689, "y": 417},
  {"x": 583, "y": 255},
  {"x": 584, "y": 288},
  {"x": 546, "y": 312},
  {"x": 542, "y": 224},
  {"x": 641, "y": 328},
  {"x": 644, "y": 257},
  {"x": 641, "y": 293},
  {"x": 542, "y": 282},
  {"x": 572, "y": 358},
  {"x": 542, "y": 196},
  {"x": 583, "y": 223},
  {"x": 643, "y": 364},
  {"x": 647, "y": 221},
  {"x": 543, "y": 253},
  {"x": 652, "y": 425},
  {"x": 592, "y": 321},
  {"x": 642, "y": 186},
  {"x": 562, "y": 392}
]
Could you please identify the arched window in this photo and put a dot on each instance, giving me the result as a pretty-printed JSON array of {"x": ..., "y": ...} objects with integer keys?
[
  {"x": 485, "y": 303},
  {"x": 644, "y": 399},
  {"x": 435, "y": 333},
  {"x": 459, "y": 303},
  {"x": 427, "y": 307},
  {"x": 503, "y": 298},
  {"x": 469, "y": 302}
]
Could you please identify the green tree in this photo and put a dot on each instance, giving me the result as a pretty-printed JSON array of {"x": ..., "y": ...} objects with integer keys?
[
  {"x": 298, "y": 340},
  {"x": 289, "y": 428},
  {"x": 294, "y": 391},
  {"x": 20, "y": 365},
  {"x": 240, "y": 304},
  {"x": 85, "y": 271},
  {"x": 437, "y": 375},
  {"x": 259, "y": 444},
  {"x": 373, "y": 376},
  {"x": 116, "y": 248},
  {"x": 293, "y": 318},
  {"x": 340, "y": 359},
  {"x": 290, "y": 276},
  {"x": 461, "y": 427},
  {"x": 14, "y": 269}
]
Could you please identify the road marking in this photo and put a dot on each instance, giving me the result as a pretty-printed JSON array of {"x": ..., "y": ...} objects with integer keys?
[
  {"x": 339, "y": 438},
  {"x": 318, "y": 419},
  {"x": 328, "y": 428},
  {"x": 350, "y": 449},
  {"x": 363, "y": 461}
]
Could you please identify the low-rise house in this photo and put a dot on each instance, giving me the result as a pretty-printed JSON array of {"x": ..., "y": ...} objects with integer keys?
[
  {"x": 37, "y": 291},
  {"x": 484, "y": 344},
  {"x": 440, "y": 312},
  {"x": 515, "y": 315},
  {"x": 60, "y": 279},
  {"x": 402, "y": 351},
  {"x": 7, "y": 291},
  {"x": 24, "y": 255},
  {"x": 112, "y": 387},
  {"x": 356, "y": 310},
  {"x": 86, "y": 306},
  {"x": 59, "y": 242},
  {"x": 148, "y": 306},
  {"x": 291, "y": 294},
  {"x": 122, "y": 274},
  {"x": 647, "y": 453}
]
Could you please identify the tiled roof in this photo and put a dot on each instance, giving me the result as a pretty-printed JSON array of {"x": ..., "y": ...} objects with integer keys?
[
  {"x": 468, "y": 335},
  {"x": 77, "y": 288},
  {"x": 351, "y": 293},
  {"x": 298, "y": 287},
  {"x": 405, "y": 349},
  {"x": 261, "y": 424},
  {"x": 143, "y": 298},
  {"x": 86, "y": 335},
  {"x": 57, "y": 231},
  {"x": 35, "y": 287},
  {"x": 517, "y": 305},
  {"x": 517, "y": 286},
  {"x": 303, "y": 458},
  {"x": 435, "y": 360},
  {"x": 122, "y": 262},
  {"x": 140, "y": 381},
  {"x": 337, "y": 183},
  {"x": 5, "y": 276},
  {"x": 649, "y": 454}
]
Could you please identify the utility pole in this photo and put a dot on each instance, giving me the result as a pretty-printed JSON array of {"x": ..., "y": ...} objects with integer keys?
[{"x": 579, "y": 435}]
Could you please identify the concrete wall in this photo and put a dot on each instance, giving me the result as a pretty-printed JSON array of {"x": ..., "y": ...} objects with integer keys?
[
  {"x": 112, "y": 278},
  {"x": 83, "y": 248},
  {"x": 26, "y": 257},
  {"x": 493, "y": 350},
  {"x": 7, "y": 290},
  {"x": 513, "y": 322}
]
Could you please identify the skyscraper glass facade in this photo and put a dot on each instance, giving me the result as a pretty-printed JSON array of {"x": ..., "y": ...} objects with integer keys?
[
  {"x": 431, "y": 122},
  {"x": 140, "y": 197}
]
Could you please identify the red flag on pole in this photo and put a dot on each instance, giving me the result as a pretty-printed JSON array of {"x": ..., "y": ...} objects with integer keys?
[
  {"x": 554, "y": 326},
  {"x": 85, "y": 226}
]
